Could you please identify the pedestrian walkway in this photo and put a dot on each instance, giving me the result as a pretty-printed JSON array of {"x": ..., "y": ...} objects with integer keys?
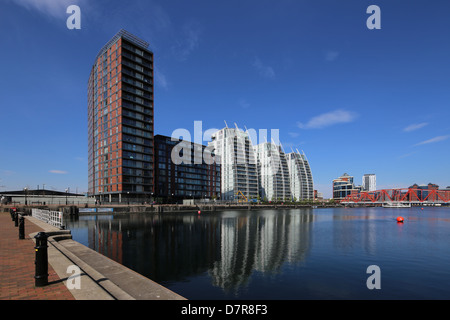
[{"x": 17, "y": 268}]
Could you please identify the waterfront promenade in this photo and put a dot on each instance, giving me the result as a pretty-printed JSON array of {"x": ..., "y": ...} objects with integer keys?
[
  {"x": 100, "y": 278},
  {"x": 17, "y": 266}
]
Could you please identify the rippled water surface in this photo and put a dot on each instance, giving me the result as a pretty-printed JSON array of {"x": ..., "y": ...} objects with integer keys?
[{"x": 281, "y": 254}]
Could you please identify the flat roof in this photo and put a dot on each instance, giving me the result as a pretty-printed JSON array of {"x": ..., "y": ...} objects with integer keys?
[
  {"x": 40, "y": 192},
  {"x": 126, "y": 35}
]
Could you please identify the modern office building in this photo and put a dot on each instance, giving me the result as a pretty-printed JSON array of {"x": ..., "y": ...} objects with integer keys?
[
  {"x": 181, "y": 171},
  {"x": 273, "y": 172},
  {"x": 238, "y": 164},
  {"x": 120, "y": 121},
  {"x": 301, "y": 180},
  {"x": 369, "y": 182},
  {"x": 343, "y": 186}
]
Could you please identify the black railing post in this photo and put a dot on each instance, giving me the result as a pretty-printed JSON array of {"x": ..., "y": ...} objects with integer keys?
[
  {"x": 16, "y": 219},
  {"x": 41, "y": 274},
  {"x": 21, "y": 227}
]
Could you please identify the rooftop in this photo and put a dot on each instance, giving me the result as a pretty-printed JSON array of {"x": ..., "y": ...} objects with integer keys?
[
  {"x": 39, "y": 192},
  {"x": 126, "y": 35}
]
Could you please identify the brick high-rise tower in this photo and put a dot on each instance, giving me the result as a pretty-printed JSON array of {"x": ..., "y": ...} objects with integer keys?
[{"x": 120, "y": 121}]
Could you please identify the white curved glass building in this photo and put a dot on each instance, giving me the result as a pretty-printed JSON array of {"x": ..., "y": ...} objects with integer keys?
[
  {"x": 238, "y": 164},
  {"x": 273, "y": 172},
  {"x": 301, "y": 180},
  {"x": 264, "y": 170}
]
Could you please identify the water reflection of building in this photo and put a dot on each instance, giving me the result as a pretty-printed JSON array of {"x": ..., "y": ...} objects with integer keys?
[
  {"x": 161, "y": 248},
  {"x": 348, "y": 233},
  {"x": 229, "y": 246},
  {"x": 105, "y": 236},
  {"x": 281, "y": 238},
  {"x": 101, "y": 233},
  {"x": 263, "y": 242}
]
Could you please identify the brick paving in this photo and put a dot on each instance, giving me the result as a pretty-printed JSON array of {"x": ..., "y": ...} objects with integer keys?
[{"x": 17, "y": 267}]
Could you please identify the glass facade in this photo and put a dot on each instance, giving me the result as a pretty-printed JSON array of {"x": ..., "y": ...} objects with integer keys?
[
  {"x": 263, "y": 171},
  {"x": 191, "y": 178},
  {"x": 238, "y": 164},
  {"x": 273, "y": 172},
  {"x": 343, "y": 186},
  {"x": 301, "y": 180}
]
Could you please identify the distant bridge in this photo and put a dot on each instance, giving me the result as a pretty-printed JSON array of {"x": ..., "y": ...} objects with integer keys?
[{"x": 402, "y": 195}]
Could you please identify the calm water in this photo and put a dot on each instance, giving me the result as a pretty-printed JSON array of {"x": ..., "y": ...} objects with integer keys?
[{"x": 281, "y": 254}]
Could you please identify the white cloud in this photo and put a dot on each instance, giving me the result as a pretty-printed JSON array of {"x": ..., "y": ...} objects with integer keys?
[
  {"x": 294, "y": 134},
  {"x": 433, "y": 140},
  {"x": 58, "y": 172},
  {"x": 331, "y": 56},
  {"x": 329, "y": 119},
  {"x": 54, "y": 8},
  {"x": 415, "y": 126},
  {"x": 244, "y": 104},
  {"x": 190, "y": 39},
  {"x": 263, "y": 70},
  {"x": 159, "y": 18},
  {"x": 406, "y": 155},
  {"x": 160, "y": 79}
]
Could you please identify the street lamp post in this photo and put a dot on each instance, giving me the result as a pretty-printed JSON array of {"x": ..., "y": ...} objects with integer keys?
[
  {"x": 66, "y": 195},
  {"x": 25, "y": 191}
]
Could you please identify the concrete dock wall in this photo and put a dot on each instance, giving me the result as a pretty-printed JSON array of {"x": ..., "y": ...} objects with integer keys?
[{"x": 101, "y": 278}]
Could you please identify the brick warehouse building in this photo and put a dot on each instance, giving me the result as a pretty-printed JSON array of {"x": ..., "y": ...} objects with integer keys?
[{"x": 120, "y": 121}]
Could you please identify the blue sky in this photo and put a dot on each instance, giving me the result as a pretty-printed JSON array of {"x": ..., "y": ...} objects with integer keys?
[{"x": 354, "y": 100}]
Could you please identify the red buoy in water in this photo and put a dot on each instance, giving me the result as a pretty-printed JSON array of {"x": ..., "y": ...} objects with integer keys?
[
  {"x": 199, "y": 212},
  {"x": 399, "y": 219}
]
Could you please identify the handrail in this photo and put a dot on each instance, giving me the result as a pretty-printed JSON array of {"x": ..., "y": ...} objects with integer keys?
[{"x": 54, "y": 218}]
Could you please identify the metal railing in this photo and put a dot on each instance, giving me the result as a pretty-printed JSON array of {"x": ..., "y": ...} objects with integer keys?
[{"x": 54, "y": 218}]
